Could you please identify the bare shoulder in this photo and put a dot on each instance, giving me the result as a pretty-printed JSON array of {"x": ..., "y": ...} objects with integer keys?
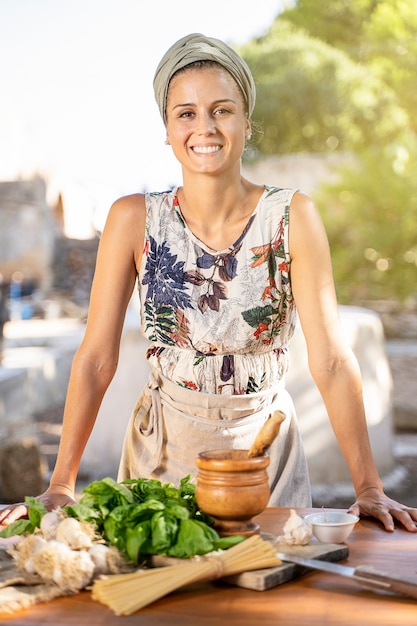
[
  {"x": 306, "y": 224},
  {"x": 129, "y": 207},
  {"x": 302, "y": 203},
  {"x": 126, "y": 218},
  {"x": 124, "y": 230}
]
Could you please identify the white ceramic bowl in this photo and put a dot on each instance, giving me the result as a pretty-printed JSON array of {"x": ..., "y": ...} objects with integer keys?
[{"x": 332, "y": 527}]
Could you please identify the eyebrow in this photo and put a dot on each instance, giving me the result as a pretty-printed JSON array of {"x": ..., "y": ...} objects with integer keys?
[{"x": 188, "y": 104}]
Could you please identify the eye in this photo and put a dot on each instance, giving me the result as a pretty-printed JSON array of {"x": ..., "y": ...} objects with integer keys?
[
  {"x": 221, "y": 111},
  {"x": 186, "y": 114}
]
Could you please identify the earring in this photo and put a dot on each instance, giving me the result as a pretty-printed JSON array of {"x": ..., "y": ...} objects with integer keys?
[
  {"x": 167, "y": 142},
  {"x": 249, "y": 136}
]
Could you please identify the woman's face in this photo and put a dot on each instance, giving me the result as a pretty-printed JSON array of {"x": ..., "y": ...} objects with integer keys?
[{"x": 206, "y": 120}]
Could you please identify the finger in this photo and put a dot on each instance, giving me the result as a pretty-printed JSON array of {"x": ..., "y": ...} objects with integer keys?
[
  {"x": 406, "y": 518},
  {"x": 14, "y": 513},
  {"x": 4, "y": 512},
  {"x": 412, "y": 513},
  {"x": 385, "y": 518},
  {"x": 388, "y": 522}
]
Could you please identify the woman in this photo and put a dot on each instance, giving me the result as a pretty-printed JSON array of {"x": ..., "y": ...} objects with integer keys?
[{"x": 222, "y": 266}]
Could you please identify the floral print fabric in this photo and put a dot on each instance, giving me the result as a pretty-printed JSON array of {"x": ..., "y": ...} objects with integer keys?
[{"x": 219, "y": 322}]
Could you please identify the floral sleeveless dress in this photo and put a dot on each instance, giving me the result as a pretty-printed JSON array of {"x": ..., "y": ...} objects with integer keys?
[{"x": 219, "y": 323}]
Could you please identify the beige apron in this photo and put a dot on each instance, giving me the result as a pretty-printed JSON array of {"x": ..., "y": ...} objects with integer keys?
[{"x": 170, "y": 425}]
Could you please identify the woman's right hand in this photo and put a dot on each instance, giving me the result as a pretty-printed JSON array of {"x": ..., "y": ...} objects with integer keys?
[{"x": 51, "y": 499}]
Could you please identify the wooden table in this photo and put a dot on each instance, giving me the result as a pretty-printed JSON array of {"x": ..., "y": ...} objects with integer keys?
[{"x": 315, "y": 598}]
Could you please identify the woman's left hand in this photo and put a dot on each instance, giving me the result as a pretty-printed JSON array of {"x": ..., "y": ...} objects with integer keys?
[{"x": 373, "y": 502}]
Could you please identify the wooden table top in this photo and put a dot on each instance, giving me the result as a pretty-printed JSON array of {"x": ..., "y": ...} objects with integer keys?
[{"x": 313, "y": 599}]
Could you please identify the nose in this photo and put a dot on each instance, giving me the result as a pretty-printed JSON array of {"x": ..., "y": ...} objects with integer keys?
[{"x": 205, "y": 124}]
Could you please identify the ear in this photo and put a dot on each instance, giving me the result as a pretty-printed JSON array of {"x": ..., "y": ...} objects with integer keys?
[{"x": 248, "y": 129}]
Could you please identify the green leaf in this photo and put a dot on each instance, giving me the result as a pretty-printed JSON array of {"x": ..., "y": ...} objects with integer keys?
[
  {"x": 136, "y": 539},
  {"x": 227, "y": 542},
  {"x": 144, "y": 488},
  {"x": 186, "y": 487},
  {"x": 164, "y": 531},
  {"x": 193, "y": 537},
  {"x": 36, "y": 510},
  {"x": 112, "y": 533},
  {"x": 145, "y": 510},
  {"x": 20, "y": 527},
  {"x": 161, "y": 539},
  {"x": 177, "y": 510},
  {"x": 106, "y": 487},
  {"x": 82, "y": 512},
  {"x": 121, "y": 513}
]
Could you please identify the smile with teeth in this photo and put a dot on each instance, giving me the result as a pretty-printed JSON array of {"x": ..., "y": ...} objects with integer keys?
[{"x": 206, "y": 149}]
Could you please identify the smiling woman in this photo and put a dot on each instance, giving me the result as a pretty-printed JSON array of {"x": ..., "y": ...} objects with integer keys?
[{"x": 223, "y": 266}]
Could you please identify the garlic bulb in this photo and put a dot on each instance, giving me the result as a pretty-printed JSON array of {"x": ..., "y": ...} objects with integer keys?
[
  {"x": 74, "y": 572},
  {"x": 70, "y": 531},
  {"x": 69, "y": 569},
  {"x": 297, "y": 530},
  {"x": 47, "y": 560}
]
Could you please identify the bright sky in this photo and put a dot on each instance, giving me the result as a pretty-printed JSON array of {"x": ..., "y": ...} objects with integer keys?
[{"x": 76, "y": 98}]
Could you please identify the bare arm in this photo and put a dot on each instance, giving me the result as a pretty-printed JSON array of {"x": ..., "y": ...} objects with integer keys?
[
  {"x": 331, "y": 361},
  {"x": 96, "y": 359}
]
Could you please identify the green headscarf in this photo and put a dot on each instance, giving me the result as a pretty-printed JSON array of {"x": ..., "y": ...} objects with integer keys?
[{"x": 197, "y": 47}]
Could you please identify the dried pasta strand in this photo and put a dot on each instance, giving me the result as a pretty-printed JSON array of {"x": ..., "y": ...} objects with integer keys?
[
  {"x": 125, "y": 594},
  {"x": 125, "y": 598}
]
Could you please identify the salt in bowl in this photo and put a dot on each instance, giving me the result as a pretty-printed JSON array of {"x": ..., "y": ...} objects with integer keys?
[{"x": 332, "y": 527}]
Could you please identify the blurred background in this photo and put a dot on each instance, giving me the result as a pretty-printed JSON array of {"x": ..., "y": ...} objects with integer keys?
[{"x": 337, "y": 117}]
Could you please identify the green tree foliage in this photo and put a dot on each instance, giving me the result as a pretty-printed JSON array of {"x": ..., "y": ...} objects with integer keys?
[
  {"x": 392, "y": 50},
  {"x": 341, "y": 75},
  {"x": 340, "y": 23},
  {"x": 313, "y": 98},
  {"x": 371, "y": 219},
  {"x": 381, "y": 34}
]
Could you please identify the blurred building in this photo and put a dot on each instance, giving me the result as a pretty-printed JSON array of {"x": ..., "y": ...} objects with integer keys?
[{"x": 27, "y": 234}]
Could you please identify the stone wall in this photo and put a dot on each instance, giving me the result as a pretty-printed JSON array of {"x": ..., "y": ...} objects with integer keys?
[
  {"x": 27, "y": 232},
  {"x": 73, "y": 271},
  {"x": 301, "y": 171}
]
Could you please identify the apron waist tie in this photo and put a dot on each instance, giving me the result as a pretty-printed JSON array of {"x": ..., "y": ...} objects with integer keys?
[{"x": 153, "y": 421}]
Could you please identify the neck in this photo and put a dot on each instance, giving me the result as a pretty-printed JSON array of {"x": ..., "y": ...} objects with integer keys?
[
  {"x": 218, "y": 212},
  {"x": 215, "y": 198}
]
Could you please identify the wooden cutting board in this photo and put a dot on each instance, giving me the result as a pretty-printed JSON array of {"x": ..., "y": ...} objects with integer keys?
[{"x": 262, "y": 579}]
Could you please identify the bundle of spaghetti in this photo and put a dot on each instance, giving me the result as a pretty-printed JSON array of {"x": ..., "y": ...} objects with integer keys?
[{"x": 125, "y": 594}]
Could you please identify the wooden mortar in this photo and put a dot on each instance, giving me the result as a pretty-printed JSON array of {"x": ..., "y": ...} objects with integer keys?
[{"x": 232, "y": 488}]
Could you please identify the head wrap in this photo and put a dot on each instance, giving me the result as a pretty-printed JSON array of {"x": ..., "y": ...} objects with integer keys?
[{"x": 197, "y": 47}]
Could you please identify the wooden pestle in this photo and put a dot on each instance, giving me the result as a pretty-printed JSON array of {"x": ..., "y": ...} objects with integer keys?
[{"x": 267, "y": 434}]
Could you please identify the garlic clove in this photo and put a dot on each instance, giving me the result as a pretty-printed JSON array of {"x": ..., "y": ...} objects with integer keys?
[
  {"x": 98, "y": 554},
  {"x": 70, "y": 531},
  {"x": 49, "y": 524},
  {"x": 297, "y": 530}
]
